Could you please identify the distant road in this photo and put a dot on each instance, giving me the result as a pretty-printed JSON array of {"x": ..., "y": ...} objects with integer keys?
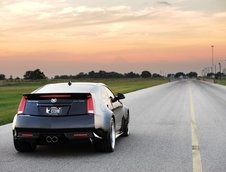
[{"x": 168, "y": 123}]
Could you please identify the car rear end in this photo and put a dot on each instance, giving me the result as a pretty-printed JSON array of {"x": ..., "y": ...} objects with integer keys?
[{"x": 50, "y": 118}]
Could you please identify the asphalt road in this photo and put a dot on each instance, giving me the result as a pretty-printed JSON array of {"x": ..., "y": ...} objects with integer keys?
[{"x": 161, "y": 136}]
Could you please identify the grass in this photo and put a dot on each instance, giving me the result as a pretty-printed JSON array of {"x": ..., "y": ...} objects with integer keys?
[
  {"x": 220, "y": 81},
  {"x": 11, "y": 91}
]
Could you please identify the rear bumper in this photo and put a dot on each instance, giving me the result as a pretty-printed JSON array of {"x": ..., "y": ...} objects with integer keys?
[
  {"x": 47, "y": 136},
  {"x": 61, "y": 122},
  {"x": 39, "y": 129}
]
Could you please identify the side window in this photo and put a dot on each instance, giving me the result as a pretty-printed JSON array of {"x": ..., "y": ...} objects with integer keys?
[
  {"x": 109, "y": 92},
  {"x": 104, "y": 93}
]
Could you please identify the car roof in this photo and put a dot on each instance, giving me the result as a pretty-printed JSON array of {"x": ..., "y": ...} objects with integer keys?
[{"x": 75, "y": 87}]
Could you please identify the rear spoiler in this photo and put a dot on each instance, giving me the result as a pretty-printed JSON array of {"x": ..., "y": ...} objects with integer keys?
[{"x": 56, "y": 95}]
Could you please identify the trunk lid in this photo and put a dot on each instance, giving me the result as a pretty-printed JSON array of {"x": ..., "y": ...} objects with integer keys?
[{"x": 60, "y": 104}]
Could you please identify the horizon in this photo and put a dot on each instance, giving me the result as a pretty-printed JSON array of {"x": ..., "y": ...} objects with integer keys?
[{"x": 67, "y": 37}]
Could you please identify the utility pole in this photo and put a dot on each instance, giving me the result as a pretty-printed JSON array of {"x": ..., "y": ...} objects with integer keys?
[
  {"x": 212, "y": 46},
  {"x": 220, "y": 69}
]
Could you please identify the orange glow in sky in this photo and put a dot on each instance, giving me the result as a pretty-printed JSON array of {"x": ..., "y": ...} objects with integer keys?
[{"x": 67, "y": 37}]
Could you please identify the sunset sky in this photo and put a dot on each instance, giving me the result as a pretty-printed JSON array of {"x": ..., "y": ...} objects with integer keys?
[{"x": 71, "y": 36}]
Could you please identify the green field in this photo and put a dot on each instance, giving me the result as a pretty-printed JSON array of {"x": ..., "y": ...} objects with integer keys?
[
  {"x": 11, "y": 91},
  {"x": 220, "y": 81}
]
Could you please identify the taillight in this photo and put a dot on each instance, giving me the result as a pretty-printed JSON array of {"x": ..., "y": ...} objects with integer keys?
[
  {"x": 80, "y": 135},
  {"x": 90, "y": 107},
  {"x": 22, "y": 105},
  {"x": 26, "y": 134}
]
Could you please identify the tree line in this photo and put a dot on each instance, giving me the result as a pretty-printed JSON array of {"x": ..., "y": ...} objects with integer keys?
[
  {"x": 106, "y": 75},
  {"x": 37, "y": 74}
]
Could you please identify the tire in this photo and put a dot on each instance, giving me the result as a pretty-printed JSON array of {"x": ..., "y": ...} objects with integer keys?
[
  {"x": 108, "y": 143},
  {"x": 22, "y": 146},
  {"x": 125, "y": 127}
]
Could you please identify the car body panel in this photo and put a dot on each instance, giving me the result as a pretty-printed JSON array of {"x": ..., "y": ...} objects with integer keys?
[
  {"x": 79, "y": 87},
  {"x": 38, "y": 122}
]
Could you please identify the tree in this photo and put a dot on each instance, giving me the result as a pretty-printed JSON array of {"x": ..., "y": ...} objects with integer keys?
[
  {"x": 179, "y": 75},
  {"x": 131, "y": 75},
  {"x": 2, "y": 77},
  {"x": 81, "y": 75},
  {"x": 210, "y": 75},
  {"x": 34, "y": 75},
  {"x": 114, "y": 75},
  {"x": 146, "y": 74},
  {"x": 156, "y": 75},
  {"x": 192, "y": 75},
  {"x": 11, "y": 77},
  {"x": 17, "y": 78},
  {"x": 92, "y": 74},
  {"x": 170, "y": 75},
  {"x": 218, "y": 75}
]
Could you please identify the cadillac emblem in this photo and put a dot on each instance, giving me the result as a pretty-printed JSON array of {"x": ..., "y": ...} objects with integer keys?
[{"x": 53, "y": 100}]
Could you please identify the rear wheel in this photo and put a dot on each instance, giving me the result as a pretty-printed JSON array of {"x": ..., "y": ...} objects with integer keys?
[
  {"x": 108, "y": 143},
  {"x": 125, "y": 129},
  {"x": 23, "y": 146}
]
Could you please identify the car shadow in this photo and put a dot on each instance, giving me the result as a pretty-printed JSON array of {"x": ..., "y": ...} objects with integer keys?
[{"x": 77, "y": 149}]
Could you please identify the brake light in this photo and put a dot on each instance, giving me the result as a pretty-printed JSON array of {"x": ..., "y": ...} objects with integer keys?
[
  {"x": 90, "y": 107},
  {"x": 55, "y": 96},
  {"x": 22, "y": 105}
]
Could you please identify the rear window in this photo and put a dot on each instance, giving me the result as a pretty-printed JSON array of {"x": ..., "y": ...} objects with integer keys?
[{"x": 56, "y": 105}]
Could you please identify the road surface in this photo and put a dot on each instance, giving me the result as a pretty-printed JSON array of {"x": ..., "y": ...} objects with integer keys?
[{"x": 175, "y": 127}]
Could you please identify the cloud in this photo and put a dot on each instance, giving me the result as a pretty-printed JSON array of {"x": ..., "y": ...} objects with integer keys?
[
  {"x": 164, "y": 3},
  {"x": 45, "y": 15},
  {"x": 73, "y": 28},
  {"x": 84, "y": 9}
]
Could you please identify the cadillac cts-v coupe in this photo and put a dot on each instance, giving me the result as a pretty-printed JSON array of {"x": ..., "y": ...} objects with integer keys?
[{"x": 62, "y": 112}]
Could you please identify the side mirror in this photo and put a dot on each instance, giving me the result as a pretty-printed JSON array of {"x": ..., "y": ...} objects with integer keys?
[{"x": 120, "y": 96}]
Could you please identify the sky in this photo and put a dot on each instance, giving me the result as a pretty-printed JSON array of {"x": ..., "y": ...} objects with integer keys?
[{"x": 72, "y": 36}]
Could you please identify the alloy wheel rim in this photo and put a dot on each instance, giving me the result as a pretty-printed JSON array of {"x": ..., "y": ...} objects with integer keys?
[{"x": 112, "y": 136}]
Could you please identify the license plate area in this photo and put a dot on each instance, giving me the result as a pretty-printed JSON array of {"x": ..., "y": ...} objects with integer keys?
[{"x": 54, "y": 110}]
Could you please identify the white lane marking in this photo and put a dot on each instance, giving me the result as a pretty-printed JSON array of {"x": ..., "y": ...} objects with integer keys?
[{"x": 196, "y": 157}]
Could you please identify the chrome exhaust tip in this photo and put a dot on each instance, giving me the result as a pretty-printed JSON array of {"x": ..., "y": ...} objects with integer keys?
[
  {"x": 51, "y": 139},
  {"x": 54, "y": 139},
  {"x": 48, "y": 139}
]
